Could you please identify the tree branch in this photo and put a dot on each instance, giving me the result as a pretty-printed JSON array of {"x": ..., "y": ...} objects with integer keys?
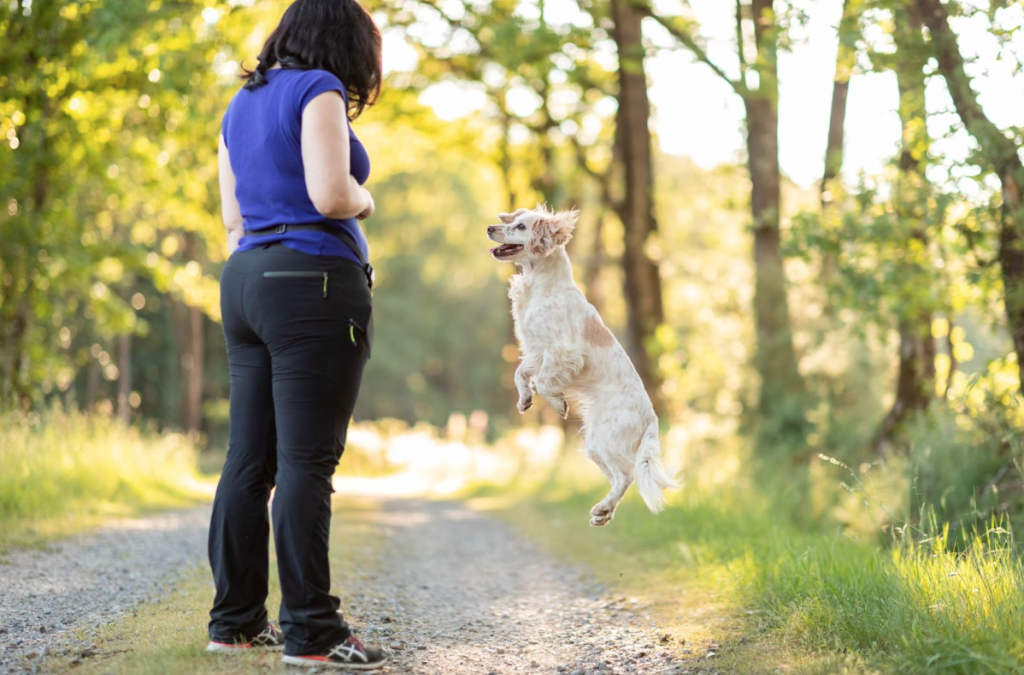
[
  {"x": 739, "y": 41},
  {"x": 688, "y": 41},
  {"x": 603, "y": 179},
  {"x": 998, "y": 149}
]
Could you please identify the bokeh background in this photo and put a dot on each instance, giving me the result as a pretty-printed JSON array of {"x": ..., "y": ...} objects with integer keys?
[{"x": 802, "y": 218}]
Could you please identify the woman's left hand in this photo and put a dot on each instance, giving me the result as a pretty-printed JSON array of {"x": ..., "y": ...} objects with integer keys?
[{"x": 368, "y": 211}]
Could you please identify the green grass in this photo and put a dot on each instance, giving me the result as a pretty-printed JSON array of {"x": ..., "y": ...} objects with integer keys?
[
  {"x": 784, "y": 595},
  {"x": 169, "y": 636},
  {"x": 62, "y": 472}
]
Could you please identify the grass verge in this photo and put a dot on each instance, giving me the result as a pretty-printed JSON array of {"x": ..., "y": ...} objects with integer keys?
[
  {"x": 169, "y": 636},
  {"x": 63, "y": 472},
  {"x": 731, "y": 567}
]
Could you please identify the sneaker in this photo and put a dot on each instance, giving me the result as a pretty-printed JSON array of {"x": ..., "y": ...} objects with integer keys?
[
  {"x": 350, "y": 654},
  {"x": 271, "y": 639}
]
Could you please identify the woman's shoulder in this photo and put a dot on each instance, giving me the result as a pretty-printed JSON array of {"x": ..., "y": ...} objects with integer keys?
[
  {"x": 312, "y": 75},
  {"x": 312, "y": 82}
]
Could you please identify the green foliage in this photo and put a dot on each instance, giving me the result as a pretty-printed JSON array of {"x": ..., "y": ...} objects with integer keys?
[
  {"x": 550, "y": 92},
  {"x": 440, "y": 307},
  {"x": 966, "y": 460},
  {"x": 100, "y": 177}
]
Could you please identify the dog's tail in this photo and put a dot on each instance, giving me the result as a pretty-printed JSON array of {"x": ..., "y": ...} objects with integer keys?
[{"x": 651, "y": 477}]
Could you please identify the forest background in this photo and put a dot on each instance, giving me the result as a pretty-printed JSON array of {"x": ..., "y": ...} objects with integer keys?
[{"x": 803, "y": 219}]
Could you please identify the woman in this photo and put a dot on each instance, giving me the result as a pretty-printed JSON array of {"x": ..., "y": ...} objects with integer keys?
[{"x": 295, "y": 299}]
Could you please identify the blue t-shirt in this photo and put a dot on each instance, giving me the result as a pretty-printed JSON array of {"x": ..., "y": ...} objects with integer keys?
[{"x": 263, "y": 132}]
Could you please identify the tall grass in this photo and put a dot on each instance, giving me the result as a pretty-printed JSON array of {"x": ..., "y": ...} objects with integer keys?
[
  {"x": 62, "y": 468},
  {"x": 918, "y": 606}
]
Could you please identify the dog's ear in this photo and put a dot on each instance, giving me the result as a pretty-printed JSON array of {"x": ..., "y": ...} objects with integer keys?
[
  {"x": 509, "y": 218},
  {"x": 562, "y": 226},
  {"x": 551, "y": 230}
]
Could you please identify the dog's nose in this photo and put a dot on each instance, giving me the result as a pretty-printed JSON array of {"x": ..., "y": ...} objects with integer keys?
[{"x": 491, "y": 229}]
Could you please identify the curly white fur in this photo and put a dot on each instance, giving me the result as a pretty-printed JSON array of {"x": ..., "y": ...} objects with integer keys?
[{"x": 568, "y": 355}]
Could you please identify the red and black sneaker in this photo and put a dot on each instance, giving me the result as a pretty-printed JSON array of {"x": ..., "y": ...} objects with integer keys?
[
  {"x": 350, "y": 655},
  {"x": 271, "y": 639}
]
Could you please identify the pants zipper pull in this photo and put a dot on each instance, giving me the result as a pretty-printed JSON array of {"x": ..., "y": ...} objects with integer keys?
[{"x": 325, "y": 285}]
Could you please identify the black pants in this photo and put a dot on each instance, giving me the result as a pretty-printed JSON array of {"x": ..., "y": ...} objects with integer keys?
[{"x": 298, "y": 336}]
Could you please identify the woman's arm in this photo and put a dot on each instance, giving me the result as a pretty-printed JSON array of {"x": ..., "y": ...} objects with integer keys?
[
  {"x": 230, "y": 211},
  {"x": 326, "y": 159}
]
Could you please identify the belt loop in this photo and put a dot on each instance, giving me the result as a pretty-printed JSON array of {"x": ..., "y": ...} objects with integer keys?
[{"x": 281, "y": 229}]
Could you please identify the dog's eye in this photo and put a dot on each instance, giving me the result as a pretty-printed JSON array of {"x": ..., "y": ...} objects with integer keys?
[{"x": 520, "y": 226}]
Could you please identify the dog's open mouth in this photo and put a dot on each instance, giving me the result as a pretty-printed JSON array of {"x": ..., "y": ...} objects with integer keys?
[{"x": 506, "y": 250}]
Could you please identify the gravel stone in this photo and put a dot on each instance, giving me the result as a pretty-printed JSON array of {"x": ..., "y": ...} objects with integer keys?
[
  {"x": 484, "y": 600},
  {"x": 89, "y": 579}
]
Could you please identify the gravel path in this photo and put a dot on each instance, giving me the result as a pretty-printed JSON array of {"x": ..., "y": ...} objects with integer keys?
[
  {"x": 453, "y": 592},
  {"x": 458, "y": 592},
  {"x": 46, "y": 593}
]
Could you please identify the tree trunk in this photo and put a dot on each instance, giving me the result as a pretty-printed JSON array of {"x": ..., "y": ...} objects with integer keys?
[
  {"x": 124, "y": 381},
  {"x": 190, "y": 345},
  {"x": 633, "y": 137},
  {"x": 92, "y": 384},
  {"x": 544, "y": 181},
  {"x": 840, "y": 92},
  {"x": 1011, "y": 260},
  {"x": 952, "y": 356},
  {"x": 781, "y": 385},
  {"x": 194, "y": 372},
  {"x": 846, "y": 55},
  {"x": 915, "y": 382},
  {"x": 505, "y": 157},
  {"x": 593, "y": 266},
  {"x": 11, "y": 390},
  {"x": 1001, "y": 154}
]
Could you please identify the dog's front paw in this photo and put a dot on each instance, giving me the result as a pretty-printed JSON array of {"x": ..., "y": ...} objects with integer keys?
[
  {"x": 600, "y": 521},
  {"x": 524, "y": 404},
  {"x": 561, "y": 407}
]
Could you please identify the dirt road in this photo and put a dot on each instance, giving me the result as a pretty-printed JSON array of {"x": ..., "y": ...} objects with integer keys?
[
  {"x": 450, "y": 591},
  {"x": 459, "y": 592}
]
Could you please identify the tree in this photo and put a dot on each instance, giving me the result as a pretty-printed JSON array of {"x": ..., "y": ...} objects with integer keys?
[
  {"x": 915, "y": 381},
  {"x": 782, "y": 393},
  {"x": 636, "y": 209},
  {"x": 100, "y": 174},
  {"x": 845, "y": 60},
  {"x": 999, "y": 152}
]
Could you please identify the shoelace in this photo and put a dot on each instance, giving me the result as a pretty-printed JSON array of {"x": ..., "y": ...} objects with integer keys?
[{"x": 269, "y": 633}]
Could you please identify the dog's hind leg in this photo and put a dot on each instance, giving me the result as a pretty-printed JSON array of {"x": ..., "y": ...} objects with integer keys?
[{"x": 604, "y": 510}]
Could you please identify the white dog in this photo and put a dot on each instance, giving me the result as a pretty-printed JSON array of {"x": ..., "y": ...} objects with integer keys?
[{"x": 568, "y": 354}]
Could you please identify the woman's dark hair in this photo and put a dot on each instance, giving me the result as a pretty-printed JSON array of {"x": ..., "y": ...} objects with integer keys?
[{"x": 338, "y": 36}]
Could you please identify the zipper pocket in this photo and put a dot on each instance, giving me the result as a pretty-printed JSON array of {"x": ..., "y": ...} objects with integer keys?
[
  {"x": 353, "y": 327},
  {"x": 278, "y": 275},
  {"x": 360, "y": 336}
]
